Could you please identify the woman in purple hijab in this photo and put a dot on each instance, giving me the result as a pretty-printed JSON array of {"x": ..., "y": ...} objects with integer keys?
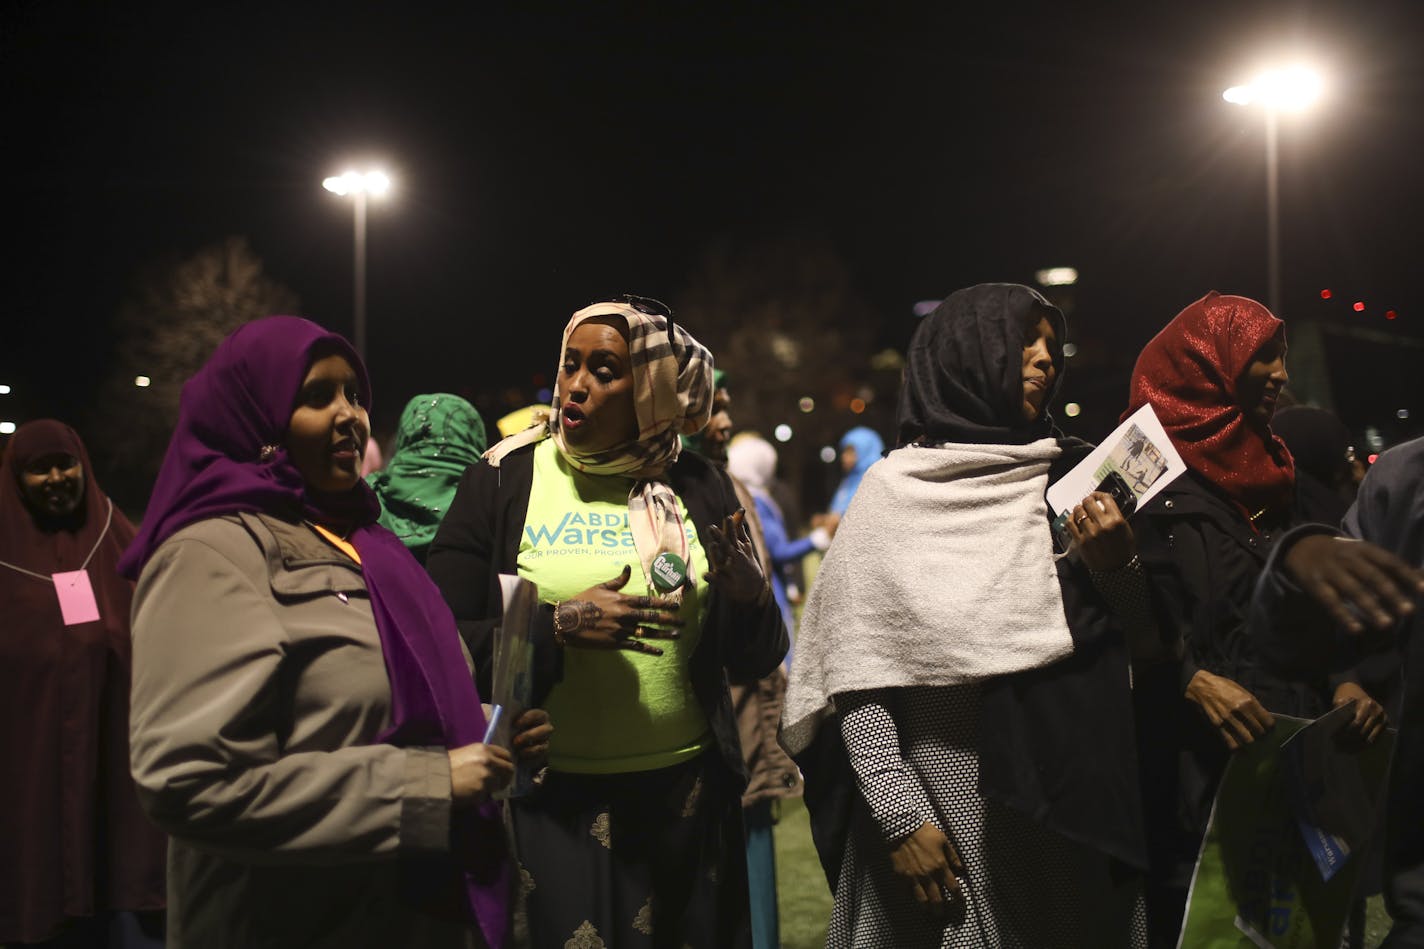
[{"x": 304, "y": 721}]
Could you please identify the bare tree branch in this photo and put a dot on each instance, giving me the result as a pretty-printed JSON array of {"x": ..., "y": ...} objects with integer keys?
[{"x": 176, "y": 314}]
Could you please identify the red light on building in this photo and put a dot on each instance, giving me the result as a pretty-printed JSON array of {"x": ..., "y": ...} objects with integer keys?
[
  {"x": 1325, "y": 294},
  {"x": 1391, "y": 315},
  {"x": 1359, "y": 307}
]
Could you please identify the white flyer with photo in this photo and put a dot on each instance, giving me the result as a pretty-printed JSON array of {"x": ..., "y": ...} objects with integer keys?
[{"x": 1138, "y": 453}]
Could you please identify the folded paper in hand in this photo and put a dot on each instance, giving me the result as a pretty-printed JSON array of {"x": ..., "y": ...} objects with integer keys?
[{"x": 513, "y": 679}]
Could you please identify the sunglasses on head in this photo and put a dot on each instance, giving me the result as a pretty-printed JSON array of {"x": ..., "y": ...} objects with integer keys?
[{"x": 649, "y": 306}]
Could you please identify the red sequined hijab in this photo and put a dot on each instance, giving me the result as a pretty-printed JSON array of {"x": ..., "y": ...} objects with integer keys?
[{"x": 1188, "y": 372}]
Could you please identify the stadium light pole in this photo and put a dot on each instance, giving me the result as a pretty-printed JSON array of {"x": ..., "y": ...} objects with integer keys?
[
  {"x": 357, "y": 186},
  {"x": 1289, "y": 89}
]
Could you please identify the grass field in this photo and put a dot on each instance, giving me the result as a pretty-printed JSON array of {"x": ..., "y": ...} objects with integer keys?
[
  {"x": 801, "y": 894},
  {"x": 805, "y": 903}
]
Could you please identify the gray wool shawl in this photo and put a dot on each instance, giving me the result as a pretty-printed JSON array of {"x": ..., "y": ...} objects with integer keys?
[{"x": 942, "y": 573}]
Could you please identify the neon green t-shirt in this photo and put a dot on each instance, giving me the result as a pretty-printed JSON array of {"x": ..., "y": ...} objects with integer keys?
[{"x": 615, "y": 710}]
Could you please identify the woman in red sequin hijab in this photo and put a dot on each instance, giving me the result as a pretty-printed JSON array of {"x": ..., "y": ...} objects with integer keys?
[{"x": 1213, "y": 376}]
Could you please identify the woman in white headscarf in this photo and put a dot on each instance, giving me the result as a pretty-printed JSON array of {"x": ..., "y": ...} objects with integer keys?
[{"x": 751, "y": 459}]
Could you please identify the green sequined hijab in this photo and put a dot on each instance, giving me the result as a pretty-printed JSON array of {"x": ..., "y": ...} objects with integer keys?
[{"x": 440, "y": 435}]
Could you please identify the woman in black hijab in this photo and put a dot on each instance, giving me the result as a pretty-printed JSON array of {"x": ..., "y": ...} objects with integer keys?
[{"x": 980, "y": 686}]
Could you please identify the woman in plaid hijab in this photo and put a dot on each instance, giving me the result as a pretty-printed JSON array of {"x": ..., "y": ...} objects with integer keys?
[{"x": 651, "y": 588}]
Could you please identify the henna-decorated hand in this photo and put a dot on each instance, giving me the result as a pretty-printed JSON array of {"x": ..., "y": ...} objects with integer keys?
[
  {"x": 602, "y": 618},
  {"x": 735, "y": 569}
]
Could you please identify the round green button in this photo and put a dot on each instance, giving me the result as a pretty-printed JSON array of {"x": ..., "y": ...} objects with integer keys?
[{"x": 669, "y": 572}]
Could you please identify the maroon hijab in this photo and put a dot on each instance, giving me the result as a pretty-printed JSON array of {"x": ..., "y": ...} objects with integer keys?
[
  {"x": 1188, "y": 372},
  {"x": 74, "y": 838},
  {"x": 226, "y": 456},
  {"x": 41, "y": 543}
]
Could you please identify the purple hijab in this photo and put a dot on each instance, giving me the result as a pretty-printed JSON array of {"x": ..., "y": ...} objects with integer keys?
[{"x": 226, "y": 457}]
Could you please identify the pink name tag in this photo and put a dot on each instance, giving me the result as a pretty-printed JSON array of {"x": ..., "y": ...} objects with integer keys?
[{"x": 76, "y": 597}]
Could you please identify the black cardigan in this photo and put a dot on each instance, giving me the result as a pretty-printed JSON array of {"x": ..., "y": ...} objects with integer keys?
[{"x": 479, "y": 539}]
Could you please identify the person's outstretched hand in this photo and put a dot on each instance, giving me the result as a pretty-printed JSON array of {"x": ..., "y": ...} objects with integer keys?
[
  {"x": 735, "y": 570},
  {"x": 1355, "y": 581}
]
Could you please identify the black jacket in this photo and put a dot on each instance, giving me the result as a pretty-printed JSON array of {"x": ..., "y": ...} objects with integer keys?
[
  {"x": 1202, "y": 559},
  {"x": 479, "y": 539}
]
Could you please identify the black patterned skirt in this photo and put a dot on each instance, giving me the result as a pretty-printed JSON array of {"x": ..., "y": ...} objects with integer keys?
[{"x": 640, "y": 859}]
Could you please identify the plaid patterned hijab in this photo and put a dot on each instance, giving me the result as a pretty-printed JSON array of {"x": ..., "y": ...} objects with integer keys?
[{"x": 672, "y": 394}]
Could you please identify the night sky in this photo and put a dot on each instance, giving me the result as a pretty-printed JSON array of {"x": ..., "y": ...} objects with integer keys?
[{"x": 547, "y": 155}]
